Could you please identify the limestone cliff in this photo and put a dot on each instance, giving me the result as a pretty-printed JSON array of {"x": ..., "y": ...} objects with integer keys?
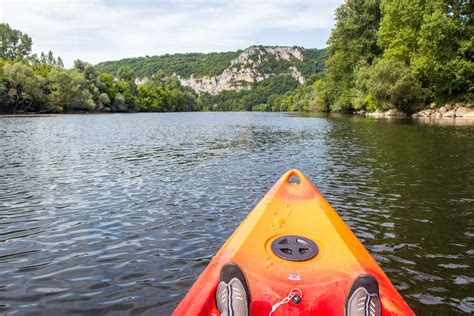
[{"x": 254, "y": 64}]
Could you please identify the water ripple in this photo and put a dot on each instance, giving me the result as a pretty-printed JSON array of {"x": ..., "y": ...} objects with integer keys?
[{"x": 120, "y": 213}]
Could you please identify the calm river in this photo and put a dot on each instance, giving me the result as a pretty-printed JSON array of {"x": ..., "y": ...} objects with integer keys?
[{"x": 120, "y": 213}]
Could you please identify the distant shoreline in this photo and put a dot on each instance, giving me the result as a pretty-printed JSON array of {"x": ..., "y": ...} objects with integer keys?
[{"x": 439, "y": 120}]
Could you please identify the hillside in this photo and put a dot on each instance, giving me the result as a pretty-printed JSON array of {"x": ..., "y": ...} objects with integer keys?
[
  {"x": 185, "y": 65},
  {"x": 215, "y": 73}
]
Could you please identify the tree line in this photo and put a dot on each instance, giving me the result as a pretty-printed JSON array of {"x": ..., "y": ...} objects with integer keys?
[
  {"x": 382, "y": 54},
  {"x": 32, "y": 83},
  {"x": 393, "y": 54},
  {"x": 41, "y": 84}
]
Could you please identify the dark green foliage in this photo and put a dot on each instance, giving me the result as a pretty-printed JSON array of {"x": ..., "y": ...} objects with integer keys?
[
  {"x": 444, "y": 60},
  {"x": 82, "y": 88},
  {"x": 14, "y": 45},
  {"x": 126, "y": 73},
  {"x": 22, "y": 89},
  {"x": 165, "y": 95},
  {"x": 183, "y": 65},
  {"x": 312, "y": 96},
  {"x": 400, "y": 25},
  {"x": 390, "y": 83},
  {"x": 352, "y": 43},
  {"x": 261, "y": 108},
  {"x": 29, "y": 83},
  {"x": 70, "y": 91},
  {"x": 45, "y": 63},
  {"x": 313, "y": 62},
  {"x": 245, "y": 100},
  {"x": 435, "y": 39},
  {"x": 399, "y": 54}
]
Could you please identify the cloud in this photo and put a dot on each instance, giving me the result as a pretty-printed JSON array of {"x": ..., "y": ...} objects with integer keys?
[{"x": 98, "y": 30}]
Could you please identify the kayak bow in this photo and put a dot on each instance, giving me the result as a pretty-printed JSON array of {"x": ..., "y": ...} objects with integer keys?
[{"x": 328, "y": 258}]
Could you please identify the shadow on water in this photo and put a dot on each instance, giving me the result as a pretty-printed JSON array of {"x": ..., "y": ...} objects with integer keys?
[{"x": 120, "y": 213}]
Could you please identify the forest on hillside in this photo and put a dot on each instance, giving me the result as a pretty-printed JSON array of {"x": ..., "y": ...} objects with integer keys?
[
  {"x": 197, "y": 64},
  {"x": 212, "y": 64}
]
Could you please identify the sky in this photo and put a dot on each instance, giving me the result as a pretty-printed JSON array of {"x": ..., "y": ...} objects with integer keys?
[{"x": 100, "y": 30}]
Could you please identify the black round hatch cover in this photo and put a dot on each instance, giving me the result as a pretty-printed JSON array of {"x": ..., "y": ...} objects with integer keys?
[{"x": 294, "y": 248}]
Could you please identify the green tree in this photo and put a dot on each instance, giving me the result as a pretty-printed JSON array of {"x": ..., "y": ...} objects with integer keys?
[
  {"x": 59, "y": 62},
  {"x": 246, "y": 99},
  {"x": 3, "y": 88},
  {"x": 400, "y": 25},
  {"x": 69, "y": 91},
  {"x": 107, "y": 85},
  {"x": 352, "y": 43},
  {"x": 91, "y": 75},
  {"x": 158, "y": 76},
  {"x": 14, "y": 45},
  {"x": 322, "y": 99},
  {"x": 149, "y": 97},
  {"x": 391, "y": 84},
  {"x": 23, "y": 89},
  {"x": 127, "y": 92},
  {"x": 103, "y": 102},
  {"x": 444, "y": 58},
  {"x": 118, "y": 104},
  {"x": 51, "y": 60},
  {"x": 43, "y": 64},
  {"x": 126, "y": 73}
]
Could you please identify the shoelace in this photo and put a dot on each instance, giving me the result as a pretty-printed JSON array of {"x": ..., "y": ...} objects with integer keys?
[
  {"x": 293, "y": 292},
  {"x": 226, "y": 297},
  {"x": 367, "y": 304}
]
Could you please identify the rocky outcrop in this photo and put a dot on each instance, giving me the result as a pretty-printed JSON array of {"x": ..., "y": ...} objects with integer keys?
[
  {"x": 244, "y": 70},
  {"x": 392, "y": 113},
  {"x": 464, "y": 112},
  {"x": 143, "y": 80},
  {"x": 448, "y": 111},
  {"x": 255, "y": 54},
  {"x": 231, "y": 79},
  {"x": 296, "y": 74}
]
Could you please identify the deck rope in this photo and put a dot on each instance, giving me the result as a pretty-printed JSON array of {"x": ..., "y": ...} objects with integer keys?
[{"x": 288, "y": 298}]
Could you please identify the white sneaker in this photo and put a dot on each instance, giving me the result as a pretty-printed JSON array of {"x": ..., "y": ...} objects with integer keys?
[
  {"x": 364, "y": 298},
  {"x": 231, "y": 298},
  {"x": 233, "y": 294}
]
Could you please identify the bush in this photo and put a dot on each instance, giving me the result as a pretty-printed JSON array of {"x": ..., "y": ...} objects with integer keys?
[
  {"x": 22, "y": 89},
  {"x": 260, "y": 108},
  {"x": 322, "y": 97},
  {"x": 70, "y": 91},
  {"x": 389, "y": 83}
]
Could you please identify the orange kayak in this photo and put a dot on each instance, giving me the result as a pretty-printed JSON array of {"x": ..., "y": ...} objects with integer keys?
[{"x": 321, "y": 270}]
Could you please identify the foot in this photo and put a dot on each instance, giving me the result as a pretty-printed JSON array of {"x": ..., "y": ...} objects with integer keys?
[
  {"x": 232, "y": 295},
  {"x": 363, "y": 298}
]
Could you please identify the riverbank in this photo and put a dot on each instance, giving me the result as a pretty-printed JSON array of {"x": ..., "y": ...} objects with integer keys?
[{"x": 447, "y": 112}]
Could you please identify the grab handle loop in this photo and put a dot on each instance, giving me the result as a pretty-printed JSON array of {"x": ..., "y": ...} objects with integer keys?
[{"x": 293, "y": 292}]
